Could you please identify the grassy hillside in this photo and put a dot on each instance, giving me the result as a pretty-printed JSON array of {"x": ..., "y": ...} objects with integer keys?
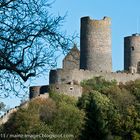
[{"x": 106, "y": 111}]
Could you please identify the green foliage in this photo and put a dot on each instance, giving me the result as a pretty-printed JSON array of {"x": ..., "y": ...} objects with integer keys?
[
  {"x": 112, "y": 110},
  {"x": 134, "y": 88},
  {"x": 58, "y": 98},
  {"x": 97, "y": 83},
  {"x": 51, "y": 116},
  {"x": 98, "y": 111},
  {"x": 135, "y": 136},
  {"x": 106, "y": 111},
  {"x": 68, "y": 120},
  {"x": 28, "y": 120}
]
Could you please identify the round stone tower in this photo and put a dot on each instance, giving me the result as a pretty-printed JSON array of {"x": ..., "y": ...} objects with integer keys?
[
  {"x": 34, "y": 91},
  {"x": 132, "y": 53},
  {"x": 95, "y": 45}
]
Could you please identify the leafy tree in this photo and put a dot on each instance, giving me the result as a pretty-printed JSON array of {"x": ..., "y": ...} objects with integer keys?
[
  {"x": 120, "y": 115},
  {"x": 97, "y": 83},
  {"x": 68, "y": 119},
  {"x": 27, "y": 120},
  {"x": 46, "y": 116},
  {"x": 29, "y": 37},
  {"x": 134, "y": 88},
  {"x": 98, "y": 112},
  {"x": 105, "y": 111},
  {"x": 59, "y": 98}
]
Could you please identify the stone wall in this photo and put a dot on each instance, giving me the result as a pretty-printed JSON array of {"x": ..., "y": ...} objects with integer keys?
[
  {"x": 95, "y": 45},
  {"x": 71, "y": 90},
  {"x": 7, "y": 115},
  {"x": 62, "y": 76},
  {"x": 132, "y": 53},
  {"x": 95, "y": 59},
  {"x": 35, "y": 91},
  {"x": 72, "y": 59}
]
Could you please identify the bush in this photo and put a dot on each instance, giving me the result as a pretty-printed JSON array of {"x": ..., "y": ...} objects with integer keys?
[
  {"x": 106, "y": 111},
  {"x": 112, "y": 111},
  {"x": 58, "y": 116},
  {"x": 98, "y": 110}
]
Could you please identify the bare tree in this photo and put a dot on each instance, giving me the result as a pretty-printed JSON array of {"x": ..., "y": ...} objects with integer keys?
[{"x": 29, "y": 38}]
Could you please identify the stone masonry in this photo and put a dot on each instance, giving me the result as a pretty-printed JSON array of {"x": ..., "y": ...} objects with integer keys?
[
  {"x": 132, "y": 53},
  {"x": 93, "y": 60},
  {"x": 95, "y": 44},
  {"x": 72, "y": 59}
]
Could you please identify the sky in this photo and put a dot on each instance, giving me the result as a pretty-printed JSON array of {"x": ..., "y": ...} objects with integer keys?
[
  {"x": 123, "y": 13},
  {"x": 125, "y": 16}
]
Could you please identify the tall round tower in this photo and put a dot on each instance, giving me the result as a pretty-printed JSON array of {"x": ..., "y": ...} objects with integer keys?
[
  {"x": 95, "y": 44},
  {"x": 132, "y": 53}
]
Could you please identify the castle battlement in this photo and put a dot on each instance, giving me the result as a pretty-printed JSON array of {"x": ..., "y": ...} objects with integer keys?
[
  {"x": 95, "y": 22},
  {"x": 93, "y": 60},
  {"x": 65, "y": 76}
]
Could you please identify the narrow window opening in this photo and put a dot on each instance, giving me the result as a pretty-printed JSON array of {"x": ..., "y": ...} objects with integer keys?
[
  {"x": 132, "y": 48},
  {"x": 71, "y": 88}
]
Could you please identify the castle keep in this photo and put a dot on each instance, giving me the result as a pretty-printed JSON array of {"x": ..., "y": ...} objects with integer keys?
[
  {"x": 132, "y": 53},
  {"x": 94, "y": 59},
  {"x": 95, "y": 44}
]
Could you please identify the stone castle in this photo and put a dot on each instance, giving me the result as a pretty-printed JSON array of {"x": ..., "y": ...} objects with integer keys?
[{"x": 94, "y": 59}]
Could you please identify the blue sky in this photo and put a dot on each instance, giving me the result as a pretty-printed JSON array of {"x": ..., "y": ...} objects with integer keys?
[{"x": 124, "y": 15}]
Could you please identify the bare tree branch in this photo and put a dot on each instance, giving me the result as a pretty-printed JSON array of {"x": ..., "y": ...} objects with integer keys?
[{"x": 29, "y": 38}]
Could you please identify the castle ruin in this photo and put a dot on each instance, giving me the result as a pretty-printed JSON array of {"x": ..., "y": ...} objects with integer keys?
[
  {"x": 95, "y": 45},
  {"x": 132, "y": 53},
  {"x": 94, "y": 59}
]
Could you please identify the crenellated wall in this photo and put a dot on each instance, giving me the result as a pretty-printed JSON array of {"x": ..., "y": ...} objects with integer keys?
[
  {"x": 62, "y": 76},
  {"x": 35, "y": 91},
  {"x": 7, "y": 115},
  {"x": 95, "y": 59}
]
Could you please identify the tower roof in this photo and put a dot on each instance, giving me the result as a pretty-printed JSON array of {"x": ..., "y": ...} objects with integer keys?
[
  {"x": 73, "y": 51},
  {"x": 72, "y": 59}
]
